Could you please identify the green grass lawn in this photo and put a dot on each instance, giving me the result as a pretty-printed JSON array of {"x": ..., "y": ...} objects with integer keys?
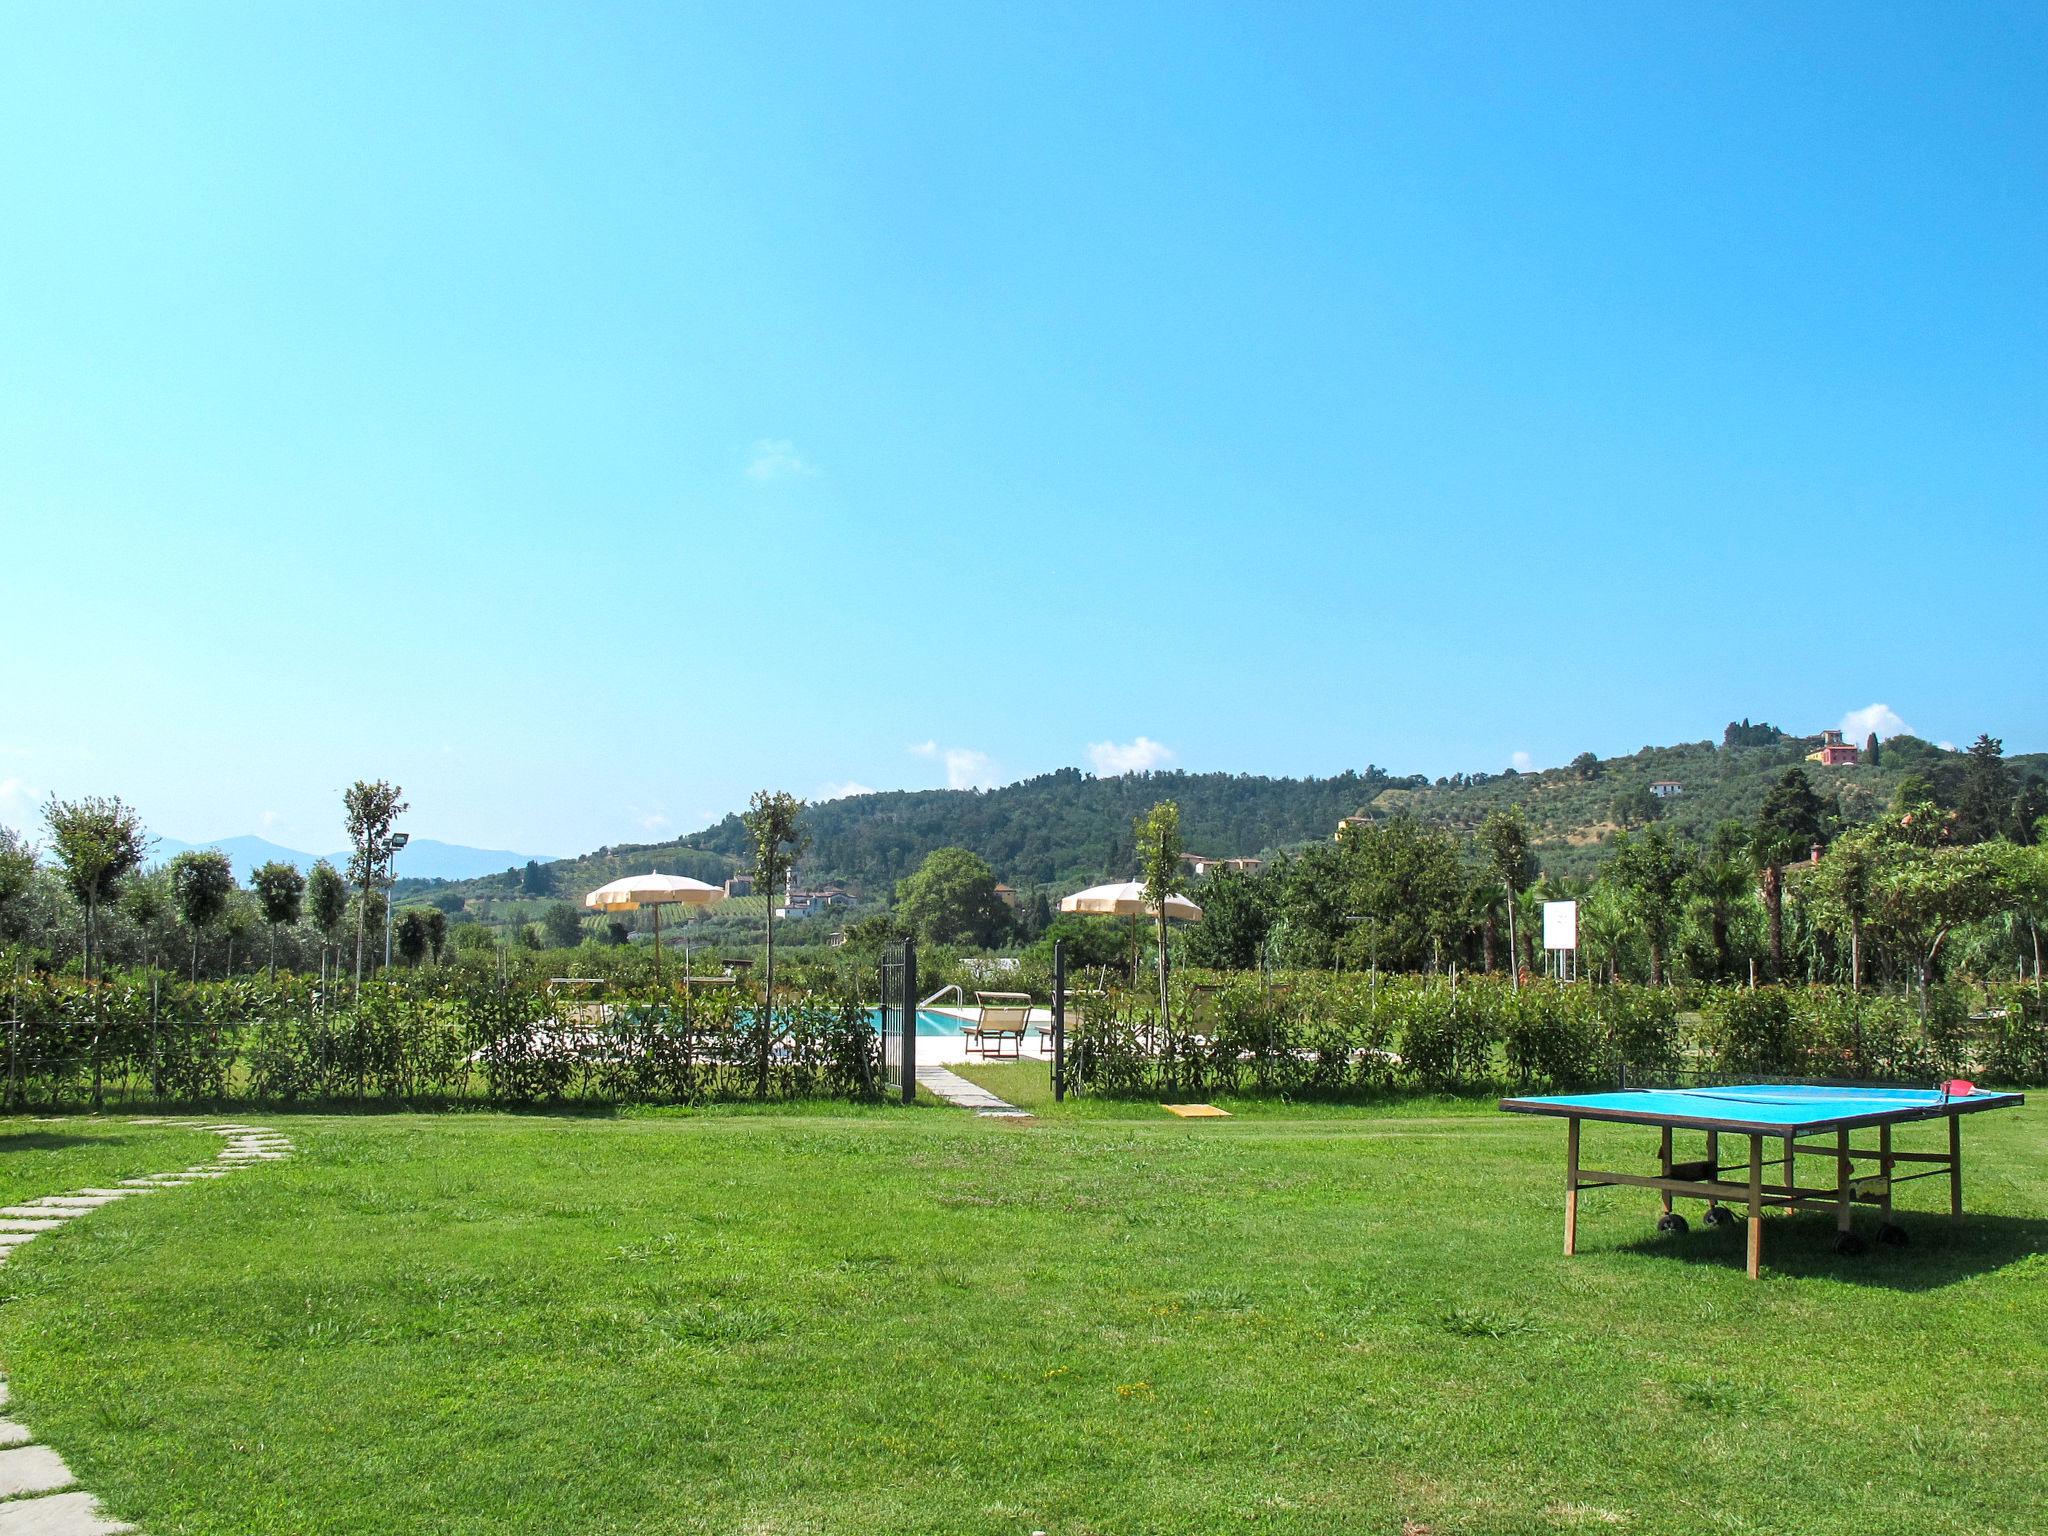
[
  {"x": 1101, "y": 1321},
  {"x": 50, "y": 1157}
]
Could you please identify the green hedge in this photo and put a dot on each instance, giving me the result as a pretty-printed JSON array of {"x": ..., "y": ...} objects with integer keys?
[
  {"x": 424, "y": 1038},
  {"x": 1319, "y": 1036},
  {"x": 453, "y": 1035}
]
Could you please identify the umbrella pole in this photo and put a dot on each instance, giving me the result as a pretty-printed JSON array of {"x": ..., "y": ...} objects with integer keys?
[
  {"x": 1162, "y": 966},
  {"x": 657, "y": 943}
]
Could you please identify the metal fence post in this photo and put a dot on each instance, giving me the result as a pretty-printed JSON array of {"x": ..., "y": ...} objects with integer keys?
[
  {"x": 1059, "y": 1020},
  {"x": 910, "y": 1021}
]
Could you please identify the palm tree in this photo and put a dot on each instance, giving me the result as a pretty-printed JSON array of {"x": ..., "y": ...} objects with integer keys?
[
  {"x": 1649, "y": 871},
  {"x": 1719, "y": 885},
  {"x": 1788, "y": 827}
]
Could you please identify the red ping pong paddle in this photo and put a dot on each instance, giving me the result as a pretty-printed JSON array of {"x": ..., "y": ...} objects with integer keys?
[{"x": 1958, "y": 1088}]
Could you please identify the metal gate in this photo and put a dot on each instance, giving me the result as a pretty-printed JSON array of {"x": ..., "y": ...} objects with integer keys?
[{"x": 899, "y": 1021}]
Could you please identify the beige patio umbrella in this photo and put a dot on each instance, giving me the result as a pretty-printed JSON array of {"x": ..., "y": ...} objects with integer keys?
[
  {"x": 653, "y": 891},
  {"x": 1126, "y": 898}
]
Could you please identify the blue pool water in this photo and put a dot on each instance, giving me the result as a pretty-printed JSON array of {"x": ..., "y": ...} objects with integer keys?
[{"x": 928, "y": 1023}]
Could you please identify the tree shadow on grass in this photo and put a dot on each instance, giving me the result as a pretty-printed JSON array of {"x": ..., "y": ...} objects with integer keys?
[
  {"x": 1937, "y": 1252},
  {"x": 52, "y": 1141}
]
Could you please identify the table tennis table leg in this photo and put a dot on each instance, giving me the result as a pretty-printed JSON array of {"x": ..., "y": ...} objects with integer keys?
[
  {"x": 1887, "y": 1231},
  {"x": 1664, "y": 1159},
  {"x": 1843, "y": 1172},
  {"x": 1791, "y": 1171},
  {"x": 1756, "y": 1205},
  {"x": 1713, "y": 1172},
  {"x": 1955, "y": 1167},
  {"x": 1571, "y": 1186}
]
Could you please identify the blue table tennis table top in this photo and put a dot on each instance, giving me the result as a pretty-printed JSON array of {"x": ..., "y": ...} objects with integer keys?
[{"x": 1771, "y": 1108}]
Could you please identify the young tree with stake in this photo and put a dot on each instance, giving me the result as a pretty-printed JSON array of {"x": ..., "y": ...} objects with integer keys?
[
  {"x": 1157, "y": 836},
  {"x": 371, "y": 808},
  {"x": 1504, "y": 836},
  {"x": 774, "y": 820}
]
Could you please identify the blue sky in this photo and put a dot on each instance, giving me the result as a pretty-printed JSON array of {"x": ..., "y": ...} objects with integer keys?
[{"x": 586, "y": 415}]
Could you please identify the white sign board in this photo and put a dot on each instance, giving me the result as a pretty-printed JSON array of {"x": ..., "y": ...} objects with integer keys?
[{"x": 1560, "y": 925}]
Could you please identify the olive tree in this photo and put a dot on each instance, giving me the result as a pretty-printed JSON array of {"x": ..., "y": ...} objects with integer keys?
[
  {"x": 147, "y": 902},
  {"x": 1920, "y": 896},
  {"x": 562, "y": 922},
  {"x": 281, "y": 890},
  {"x": 17, "y": 872},
  {"x": 327, "y": 897},
  {"x": 412, "y": 935},
  {"x": 952, "y": 899},
  {"x": 202, "y": 880},
  {"x": 98, "y": 842}
]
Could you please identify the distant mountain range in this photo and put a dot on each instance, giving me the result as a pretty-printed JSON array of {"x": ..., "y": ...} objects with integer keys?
[{"x": 424, "y": 858}]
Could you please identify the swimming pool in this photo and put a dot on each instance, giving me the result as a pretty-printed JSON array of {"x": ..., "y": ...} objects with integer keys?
[
  {"x": 945, "y": 1021},
  {"x": 929, "y": 1022}
]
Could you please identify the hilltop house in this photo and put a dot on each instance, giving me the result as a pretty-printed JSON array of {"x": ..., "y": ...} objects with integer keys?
[
  {"x": 1833, "y": 752},
  {"x": 804, "y": 903},
  {"x": 1202, "y": 865},
  {"x": 1667, "y": 789},
  {"x": 739, "y": 885}
]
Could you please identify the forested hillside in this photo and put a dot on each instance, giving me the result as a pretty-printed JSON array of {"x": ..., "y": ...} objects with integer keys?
[
  {"x": 1060, "y": 828},
  {"x": 1068, "y": 828}
]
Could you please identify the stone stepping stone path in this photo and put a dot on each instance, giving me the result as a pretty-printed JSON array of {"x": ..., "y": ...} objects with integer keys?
[
  {"x": 37, "y": 1492},
  {"x": 955, "y": 1089}
]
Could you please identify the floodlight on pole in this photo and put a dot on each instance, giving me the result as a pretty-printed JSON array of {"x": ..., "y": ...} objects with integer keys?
[{"x": 398, "y": 841}]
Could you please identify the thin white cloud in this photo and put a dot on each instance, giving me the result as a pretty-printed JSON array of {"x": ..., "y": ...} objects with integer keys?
[
  {"x": 845, "y": 791},
  {"x": 1522, "y": 762},
  {"x": 1946, "y": 746},
  {"x": 776, "y": 458},
  {"x": 966, "y": 768},
  {"x": 653, "y": 821},
  {"x": 1879, "y": 718},
  {"x": 1111, "y": 758},
  {"x": 270, "y": 819},
  {"x": 21, "y": 804}
]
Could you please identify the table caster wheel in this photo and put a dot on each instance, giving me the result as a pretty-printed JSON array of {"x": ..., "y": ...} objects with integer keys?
[
  {"x": 1849, "y": 1242},
  {"x": 1720, "y": 1216},
  {"x": 1892, "y": 1235},
  {"x": 1671, "y": 1221}
]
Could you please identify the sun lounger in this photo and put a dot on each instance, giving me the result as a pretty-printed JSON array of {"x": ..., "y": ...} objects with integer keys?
[{"x": 995, "y": 1029}]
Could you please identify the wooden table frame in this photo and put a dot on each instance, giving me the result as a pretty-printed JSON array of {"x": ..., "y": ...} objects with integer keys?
[{"x": 1704, "y": 1179}]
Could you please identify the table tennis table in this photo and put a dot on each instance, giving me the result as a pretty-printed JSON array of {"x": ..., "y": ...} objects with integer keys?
[{"x": 1811, "y": 1120}]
